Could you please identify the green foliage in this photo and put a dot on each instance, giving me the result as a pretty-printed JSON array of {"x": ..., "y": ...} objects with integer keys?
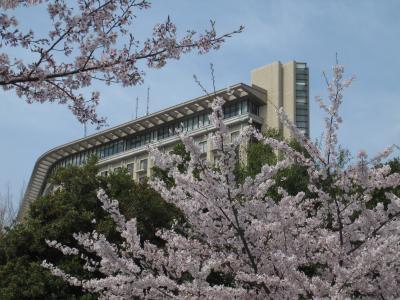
[
  {"x": 293, "y": 179},
  {"x": 24, "y": 278},
  {"x": 220, "y": 278},
  {"x": 151, "y": 211},
  {"x": 69, "y": 209},
  {"x": 258, "y": 155}
]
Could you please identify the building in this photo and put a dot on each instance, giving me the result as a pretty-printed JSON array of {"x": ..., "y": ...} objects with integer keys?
[{"x": 274, "y": 85}]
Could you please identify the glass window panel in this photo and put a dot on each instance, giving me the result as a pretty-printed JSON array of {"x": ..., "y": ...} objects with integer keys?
[
  {"x": 121, "y": 146},
  {"x": 302, "y": 111},
  {"x": 301, "y": 65},
  {"x": 301, "y": 108},
  {"x": 301, "y": 94},
  {"x": 207, "y": 119},
  {"x": 234, "y": 136},
  {"x": 301, "y": 124},
  {"x": 116, "y": 147},
  {"x": 243, "y": 106},
  {"x": 130, "y": 168},
  {"x": 113, "y": 148},
  {"x": 301, "y": 115},
  {"x": 301, "y": 76},
  {"x": 301, "y": 88},
  {"x": 107, "y": 150},
  {"x": 254, "y": 108},
  {"x": 143, "y": 164},
  {"x": 301, "y": 100},
  {"x": 302, "y": 72},
  {"x": 226, "y": 111},
  {"x": 201, "y": 121},
  {"x": 301, "y": 105},
  {"x": 301, "y": 118},
  {"x": 203, "y": 147}
]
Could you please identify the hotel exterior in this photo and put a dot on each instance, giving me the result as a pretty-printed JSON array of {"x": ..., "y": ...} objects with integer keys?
[{"x": 124, "y": 146}]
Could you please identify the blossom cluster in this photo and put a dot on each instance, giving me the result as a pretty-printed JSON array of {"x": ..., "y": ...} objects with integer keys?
[
  {"x": 88, "y": 40},
  {"x": 338, "y": 239}
]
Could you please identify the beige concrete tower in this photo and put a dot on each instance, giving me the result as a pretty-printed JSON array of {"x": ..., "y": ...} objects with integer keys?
[{"x": 286, "y": 86}]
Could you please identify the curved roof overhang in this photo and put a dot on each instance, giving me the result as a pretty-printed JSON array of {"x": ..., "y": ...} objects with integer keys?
[{"x": 44, "y": 163}]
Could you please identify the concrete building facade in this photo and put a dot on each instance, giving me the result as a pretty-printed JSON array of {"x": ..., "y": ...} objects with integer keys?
[{"x": 124, "y": 146}]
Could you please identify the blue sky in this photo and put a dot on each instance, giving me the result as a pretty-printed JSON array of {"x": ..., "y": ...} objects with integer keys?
[{"x": 364, "y": 33}]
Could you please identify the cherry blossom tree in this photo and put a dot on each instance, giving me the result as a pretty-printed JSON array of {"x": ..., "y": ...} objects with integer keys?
[
  {"x": 88, "y": 40},
  {"x": 338, "y": 239}
]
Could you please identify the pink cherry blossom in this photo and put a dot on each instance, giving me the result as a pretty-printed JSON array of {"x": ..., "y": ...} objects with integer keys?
[
  {"x": 328, "y": 242},
  {"x": 88, "y": 41}
]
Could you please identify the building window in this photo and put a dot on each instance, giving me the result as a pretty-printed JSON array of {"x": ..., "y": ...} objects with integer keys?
[
  {"x": 301, "y": 86},
  {"x": 232, "y": 110},
  {"x": 244, "y": 106},
  {"x": 300, "y": 118},
  {"x": 203, "y": 147},
  {"x": 143, "y": 165},
  {"x": 117, "y": 169},
  {"x": 302, "y": 109},
  {"x": 234, "y": 136},
  {"x": 206, "y": 120},
  {"x": 254, "y": 108},
  {"x": 104, "y": 173},
  {"x": 302, "y": 73},
  {"x": 301, "y": 100},
  {"x": 301, "y": 94},
  {"x": 130, "y": 168},
  {"x": 195, "y": 122},
  {"x": 301, "y": 124},
  {"x": 301, "y": 76},
  {"x": 301, "y": 66}
]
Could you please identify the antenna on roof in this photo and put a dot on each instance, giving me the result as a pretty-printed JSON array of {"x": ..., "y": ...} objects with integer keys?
[
  {"x": 148, "y": 100},
  {"x": 136, "y": 108}
]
